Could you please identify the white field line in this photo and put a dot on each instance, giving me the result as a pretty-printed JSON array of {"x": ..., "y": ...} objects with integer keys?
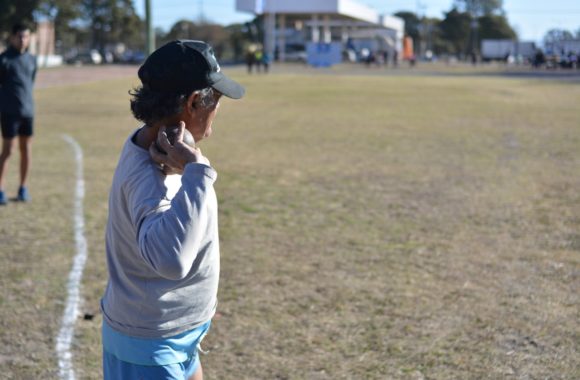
[{"x": 73, "y": 300}]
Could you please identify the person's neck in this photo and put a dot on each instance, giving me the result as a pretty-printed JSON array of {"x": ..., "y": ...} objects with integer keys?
[
  {"x": 19, "y": 51},
  {"x": 148, "y": 134}
]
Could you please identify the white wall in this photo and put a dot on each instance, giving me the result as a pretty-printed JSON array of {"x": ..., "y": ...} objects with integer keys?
[
  {"x": 357, "y": 10},
  {"x": 393, "y": 22},
  {"x": 350, "y": 8},
  {"x": 250, "y": 6}
]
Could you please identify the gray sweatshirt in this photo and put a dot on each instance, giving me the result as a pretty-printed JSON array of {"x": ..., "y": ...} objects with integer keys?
[
  {"x": 17, "y": 74},
  {"x": 162, "y": 247}
]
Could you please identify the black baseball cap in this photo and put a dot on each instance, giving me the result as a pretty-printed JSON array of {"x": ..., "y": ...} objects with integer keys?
[{"x": 183, "y": 66}]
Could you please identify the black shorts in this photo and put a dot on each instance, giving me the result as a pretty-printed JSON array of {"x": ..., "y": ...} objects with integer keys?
[{"x": 13, "y": 126}]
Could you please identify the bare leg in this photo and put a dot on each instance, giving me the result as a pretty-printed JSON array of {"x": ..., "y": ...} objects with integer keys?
[
  {"x": 7, "y": 145},
  {"x": 24, "y": 142},
  {"x": 198, "y": 375}
]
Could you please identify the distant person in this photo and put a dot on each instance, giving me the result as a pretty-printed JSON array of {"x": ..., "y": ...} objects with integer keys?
[
  {"x": 266, "y": 60},
  {"x": 539, "y": 59},
  {"x": 371, "y": 58},
  {"x": 259, "y": 59},
  {"x": 17, "y": 74},
  {"x": 386, "y": 58},
  {"x": 473, "y": 58},
  {"x": 250, "y": 60},
  {"x": 162, "y": 238},
  {"x": 573, "y": 60}
]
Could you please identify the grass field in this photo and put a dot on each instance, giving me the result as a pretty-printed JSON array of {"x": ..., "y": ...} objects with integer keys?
[{"x": 372, "y": 227}]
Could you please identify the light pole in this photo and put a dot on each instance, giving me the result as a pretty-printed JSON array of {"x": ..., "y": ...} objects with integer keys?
[
  {"x": 150, "y": 44},
  {"x": 474, "y": 48}
]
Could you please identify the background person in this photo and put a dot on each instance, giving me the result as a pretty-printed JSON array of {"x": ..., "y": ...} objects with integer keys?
[
  {"x": 162, "y": 233},
  {"x": 17, "y": 74}
]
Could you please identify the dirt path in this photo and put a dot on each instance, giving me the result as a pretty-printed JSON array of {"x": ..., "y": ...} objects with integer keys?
[{"x": 66, "y": 75}]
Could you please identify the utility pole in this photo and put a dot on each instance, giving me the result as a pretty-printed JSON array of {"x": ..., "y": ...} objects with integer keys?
[
  {"x": 423, "y": 29},
  {"x": 150, "y": 44},
  {"x": 474, "y": 52},
  {"x": 201, "y": 13}
]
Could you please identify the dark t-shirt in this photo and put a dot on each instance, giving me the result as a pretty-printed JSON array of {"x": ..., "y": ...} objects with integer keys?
[{"x": 17, "y": 73}]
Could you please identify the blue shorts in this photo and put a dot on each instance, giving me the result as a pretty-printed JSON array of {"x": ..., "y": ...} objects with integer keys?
[
  {"x": 172, "y": 358},
  {"x": 13, "y": 125},
  {"x": 116, "y": 369}
]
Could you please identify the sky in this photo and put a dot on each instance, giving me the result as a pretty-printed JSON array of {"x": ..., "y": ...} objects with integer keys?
[{"x": 530, "y": 18}]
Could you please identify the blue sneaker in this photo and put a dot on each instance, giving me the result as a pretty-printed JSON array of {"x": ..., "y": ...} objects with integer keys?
[
  {"x": 3, "y": 200},
  {"x": 23, "y": 194}
]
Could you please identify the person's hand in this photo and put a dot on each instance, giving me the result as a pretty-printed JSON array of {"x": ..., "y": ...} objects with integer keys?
[{"x": 177, "y": 155}]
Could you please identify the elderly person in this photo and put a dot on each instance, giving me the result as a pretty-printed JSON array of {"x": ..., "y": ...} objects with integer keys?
[{"x": 162, "y": 233}]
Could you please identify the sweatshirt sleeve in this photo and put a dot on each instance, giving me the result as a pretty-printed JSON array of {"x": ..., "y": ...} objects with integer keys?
[
  {"x": 170, "y": 235},
  {"x": 35, "y": 69},
  {"x": 2, "y": 70}
]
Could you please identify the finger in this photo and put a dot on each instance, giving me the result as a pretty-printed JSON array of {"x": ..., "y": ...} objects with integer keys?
[{"x": 180, "y": 131}]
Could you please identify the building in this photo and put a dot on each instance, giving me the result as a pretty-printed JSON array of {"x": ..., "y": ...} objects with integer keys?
[
  {"x": 42, "y": 45},
  {"x": 337, "y": 24}
]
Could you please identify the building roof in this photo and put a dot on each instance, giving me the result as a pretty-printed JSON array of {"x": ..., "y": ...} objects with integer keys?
[{"x": 346, "y": 8}]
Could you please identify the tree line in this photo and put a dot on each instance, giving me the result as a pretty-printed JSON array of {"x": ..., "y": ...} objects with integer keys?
[
  {"x": 98, "y": 24},
  {"x": 461, "y": 29},
  {"x": 90, "y": 23}
]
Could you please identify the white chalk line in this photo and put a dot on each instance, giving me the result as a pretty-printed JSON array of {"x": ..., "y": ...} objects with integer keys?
[{"x": 73, "y": 300}]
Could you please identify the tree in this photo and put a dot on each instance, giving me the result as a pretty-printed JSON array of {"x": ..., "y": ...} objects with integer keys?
[
  {"x": 112, "y": 21},
  {"x": 12, "y": 12},
  {"x": 61, "y": 13},
  {"x": 557, "y": 35},
  {"x": 254, "y": 29},
  {"x": 216, "y": 35},
  {"x": 455, "y": 29},
  {"x": 237, "y": 42},
  {"x": 433, "y": 37},
  {"x": 495, "y": 27},
  {"x": 478, "y": 8}
]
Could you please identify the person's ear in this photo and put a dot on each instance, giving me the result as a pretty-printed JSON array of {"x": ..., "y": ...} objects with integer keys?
[{"x": 192, "y": 101}]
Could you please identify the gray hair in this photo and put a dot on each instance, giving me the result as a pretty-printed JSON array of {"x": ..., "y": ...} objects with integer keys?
[
  {"x": 151, "y": 106},
  {"x": 207, "y": 97}
]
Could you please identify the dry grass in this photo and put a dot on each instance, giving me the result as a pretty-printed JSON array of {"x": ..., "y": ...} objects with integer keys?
[{"x": 401, "y": 227}]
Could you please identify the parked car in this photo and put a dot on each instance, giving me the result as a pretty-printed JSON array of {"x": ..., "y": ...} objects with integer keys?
[
  {"x": 88, "y": 57},
  {"x": 133, "y": 57}
]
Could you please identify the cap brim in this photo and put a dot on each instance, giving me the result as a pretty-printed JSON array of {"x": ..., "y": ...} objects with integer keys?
[{"x": 228, "y": 87}]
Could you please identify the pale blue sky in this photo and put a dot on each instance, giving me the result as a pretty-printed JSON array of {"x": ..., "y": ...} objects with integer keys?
[{"x": 530, "y": 18}]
